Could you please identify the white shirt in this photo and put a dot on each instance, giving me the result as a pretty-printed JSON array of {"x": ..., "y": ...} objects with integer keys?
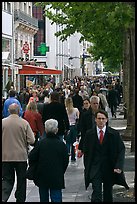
[
  {"x": 98, "y": 131},
  {"x": 73, "y": 116}
]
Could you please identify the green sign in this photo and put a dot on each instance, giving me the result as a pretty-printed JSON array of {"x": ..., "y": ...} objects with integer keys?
[{"x": 43, "y": 48}]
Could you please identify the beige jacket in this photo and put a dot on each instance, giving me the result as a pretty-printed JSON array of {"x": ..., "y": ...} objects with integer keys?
[{"x": 16, "y": 135}]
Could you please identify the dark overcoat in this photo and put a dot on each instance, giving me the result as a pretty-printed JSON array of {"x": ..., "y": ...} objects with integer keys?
[
  {"x": 115, "y": 150},
  {"x": 52, "y": 159},
  {"x": 57, "y": 111}
]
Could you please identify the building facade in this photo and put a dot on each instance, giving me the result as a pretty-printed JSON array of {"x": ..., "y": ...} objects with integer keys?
[
  {"x": 27, "y": 31},
  {"x": 63, "y": 56},
  {"x": 7, "y": 45},
  {"x": 25, "y": 27}
]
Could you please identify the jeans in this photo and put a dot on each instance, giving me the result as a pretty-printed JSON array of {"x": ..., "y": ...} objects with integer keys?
[
  {"x": 70, "y": 139},
  {"x": 55, "y": 195}
]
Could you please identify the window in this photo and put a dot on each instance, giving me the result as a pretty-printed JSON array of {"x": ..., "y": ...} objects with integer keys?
[
  {"x": 20, "y": 6},
  {"x": 30, "y": 10},
  {"x": 6, "y": 45},
  {"x": 9, "y": 7},
  {"x": 25, "y": 8},
  {"x": 4, "y": 6}
]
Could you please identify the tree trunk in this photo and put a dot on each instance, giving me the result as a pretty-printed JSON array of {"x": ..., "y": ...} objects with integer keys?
[
  {"x": 132, "y": 87},
  {"x": 126, "y": 73},
  {"x": 129, "y": 86}
]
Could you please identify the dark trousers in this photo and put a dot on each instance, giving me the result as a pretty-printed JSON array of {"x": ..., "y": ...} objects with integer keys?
[
  {"x": 8, "y": 179},
  {"x": 97, "y": 181},
  {"x": 55, "y": 195},
  {"x": 70, "y": 139},
  {"x": 113, "y": 108}
]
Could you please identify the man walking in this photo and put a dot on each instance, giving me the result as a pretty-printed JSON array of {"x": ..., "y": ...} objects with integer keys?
[
  {"x": 104, "y": 154},
  {"x": 11, "y": 99},
  {"x": 56, "y": 110},
  {"x": 16, "y": 135},
  {"x": 51, "y": 158}
]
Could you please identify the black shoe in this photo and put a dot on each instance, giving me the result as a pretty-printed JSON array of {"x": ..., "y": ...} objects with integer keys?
[{"x": 115, "y": 115}]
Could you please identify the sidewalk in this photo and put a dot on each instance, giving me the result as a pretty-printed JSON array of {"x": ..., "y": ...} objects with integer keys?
[
  {"x": 74, "y": 177},
  {"x": 75, "y": 188}
]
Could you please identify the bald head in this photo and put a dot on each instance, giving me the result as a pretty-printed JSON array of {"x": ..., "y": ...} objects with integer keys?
[{"x": 14, "y": 109}]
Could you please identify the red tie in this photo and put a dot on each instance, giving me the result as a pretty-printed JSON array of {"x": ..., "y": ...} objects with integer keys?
[{"x": 101, "y": 136}]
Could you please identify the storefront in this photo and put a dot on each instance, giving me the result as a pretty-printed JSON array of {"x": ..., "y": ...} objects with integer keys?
[{"x": 37, "y": 73}]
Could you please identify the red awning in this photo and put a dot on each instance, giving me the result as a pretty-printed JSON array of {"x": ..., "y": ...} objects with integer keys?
[{"x": 36, "y": 70}]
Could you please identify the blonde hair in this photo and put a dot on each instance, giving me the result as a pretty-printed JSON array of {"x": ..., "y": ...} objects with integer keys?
[
  {"x": 69, "y": 105},
  {"x": 32, "y": 106}
]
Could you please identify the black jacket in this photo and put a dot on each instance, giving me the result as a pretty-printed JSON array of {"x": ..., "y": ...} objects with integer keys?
[
  {"x": 77, "y": 102},
  {"x": 87, "y": 121},
  {"x": 115, "y": 154},
  {"x": 57, "y": 111},
  {"x": 52, "y": 159}
]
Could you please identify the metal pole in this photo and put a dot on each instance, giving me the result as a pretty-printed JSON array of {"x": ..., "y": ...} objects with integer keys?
[
  {"x": 83, "y": 66},
  {"x": 12, "y": 45}
]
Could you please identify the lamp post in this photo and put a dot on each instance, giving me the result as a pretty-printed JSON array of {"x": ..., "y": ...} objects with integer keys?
[
  {"x": 83, "y": 64},
  {"x": 70, "y": 58}
]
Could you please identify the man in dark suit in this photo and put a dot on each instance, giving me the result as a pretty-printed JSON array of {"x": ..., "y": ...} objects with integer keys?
[
  {"x": 112, "y": 99},
  {"x": 103, "y": 159},
  {"x": 77, "y": 100}
]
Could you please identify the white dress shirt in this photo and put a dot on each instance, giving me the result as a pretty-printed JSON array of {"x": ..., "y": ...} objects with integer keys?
[{"x": 98, "y": 131}]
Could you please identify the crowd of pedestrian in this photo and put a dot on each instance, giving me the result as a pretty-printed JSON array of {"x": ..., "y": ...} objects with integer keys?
[{"x": 51, "y": 119}]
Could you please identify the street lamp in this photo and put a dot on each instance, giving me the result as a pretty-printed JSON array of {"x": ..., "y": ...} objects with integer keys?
[{"x": 83, "y": 64}]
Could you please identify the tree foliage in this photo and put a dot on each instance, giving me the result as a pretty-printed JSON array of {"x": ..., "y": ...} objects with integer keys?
[{"x": 102, "y": 23}]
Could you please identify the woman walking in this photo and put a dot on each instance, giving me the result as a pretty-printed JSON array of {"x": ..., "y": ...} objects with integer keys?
[
  {"x": 34, "y": 118},
  {"x": 73, "y": 115}
]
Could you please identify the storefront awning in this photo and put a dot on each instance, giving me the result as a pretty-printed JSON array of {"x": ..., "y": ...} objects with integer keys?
[{"x": 36, "y": 70}]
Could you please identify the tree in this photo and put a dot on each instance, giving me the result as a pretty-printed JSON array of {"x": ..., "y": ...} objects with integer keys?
[
  {"x": 102, "y": 23},
  {"x": 109, "y": 26}
]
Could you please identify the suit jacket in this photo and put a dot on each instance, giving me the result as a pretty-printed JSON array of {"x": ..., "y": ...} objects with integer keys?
[{"x": 115, "y": 154}]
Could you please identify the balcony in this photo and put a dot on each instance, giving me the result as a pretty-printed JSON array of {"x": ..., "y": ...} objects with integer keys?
[{"x": 25, "y": 19}]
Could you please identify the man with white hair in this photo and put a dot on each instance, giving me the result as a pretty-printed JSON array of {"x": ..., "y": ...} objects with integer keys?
[
  {"x": 51, "y": 126},
  {"x": 51, "y": 157},
  {"x": 16, "y": 135}
]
